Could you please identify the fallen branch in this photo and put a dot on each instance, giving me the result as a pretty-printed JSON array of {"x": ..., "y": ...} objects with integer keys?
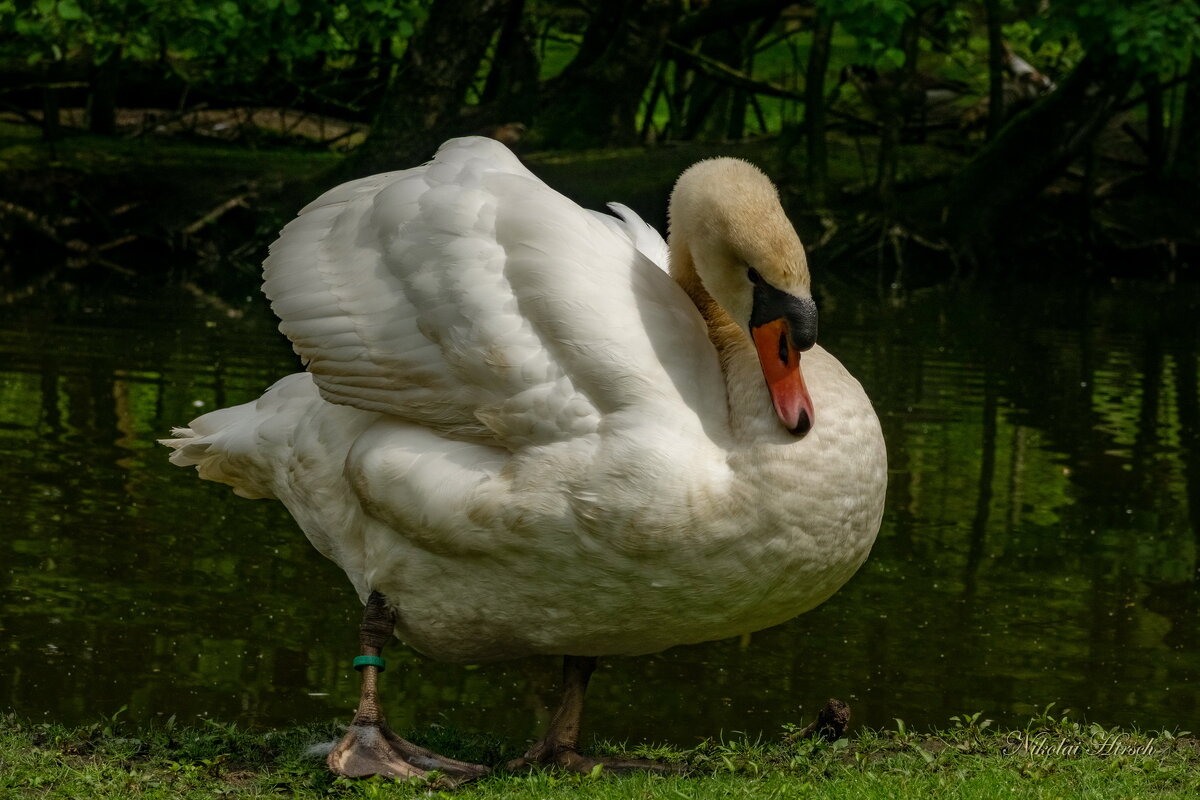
[
  {"x": 212, "y": 300},
  {"x": 83, "y": 254},
  {"x": 120, "y": 240},
  {"x": 151, "y": 124},
  {"x": 216, "y": 213},
  {"x": 31, "y": 218},
  {"x": 345, "y": 134}
]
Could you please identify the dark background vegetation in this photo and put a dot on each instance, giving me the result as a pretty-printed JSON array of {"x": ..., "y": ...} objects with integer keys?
[
  {"x": 1044, "y": 503},
  {"x": 927, "y": 138}
]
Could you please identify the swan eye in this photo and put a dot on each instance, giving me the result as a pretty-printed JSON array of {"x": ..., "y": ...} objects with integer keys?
[{"x": 754, "y": 277}]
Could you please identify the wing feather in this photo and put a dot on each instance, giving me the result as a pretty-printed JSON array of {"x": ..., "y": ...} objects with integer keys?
[{"x": 467, "y": 296}]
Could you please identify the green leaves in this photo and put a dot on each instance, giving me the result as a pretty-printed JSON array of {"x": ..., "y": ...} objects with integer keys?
[
  {"x": 892, "y": 58},
  {"x": 1153, "y": 35},
  {"x": 69, "y": 10},
  {"x": 876, "y": 26},
  {"x": 207, "y": 40}
]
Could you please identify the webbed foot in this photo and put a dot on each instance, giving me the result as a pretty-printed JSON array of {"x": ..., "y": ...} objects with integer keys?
[
  {"x": 370, "y": 747},
  {"x": 374, "y": 749}
]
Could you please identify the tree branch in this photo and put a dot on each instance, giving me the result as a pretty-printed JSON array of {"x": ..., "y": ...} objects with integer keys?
[
  {"x": 724, "y": 14},
  {"x": 726, "y": 74}
]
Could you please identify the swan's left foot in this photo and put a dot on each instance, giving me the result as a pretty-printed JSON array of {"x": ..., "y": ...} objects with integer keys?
[
  {"x": 369, "y": 746},
  {"x": 373, "y": 749},
  {"x": 560, "y": 746}
]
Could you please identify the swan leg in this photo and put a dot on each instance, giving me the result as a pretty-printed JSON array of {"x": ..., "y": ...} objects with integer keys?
[
  {"x": 560, "y": 746},
  {"x": 369, "y": 746}
]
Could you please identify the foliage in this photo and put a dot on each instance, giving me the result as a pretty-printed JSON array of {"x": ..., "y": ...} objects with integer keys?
[
  {"x": 219, "y": 41},
  {"x": 931, "y": 71},
  {"x": 876, "y": 26},
  {"x": 309, "y": 43},
  {"x": 1151, "y": 35}
]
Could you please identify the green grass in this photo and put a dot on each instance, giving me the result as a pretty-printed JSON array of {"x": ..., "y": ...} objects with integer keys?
[{"x": 1050, "y": 758}]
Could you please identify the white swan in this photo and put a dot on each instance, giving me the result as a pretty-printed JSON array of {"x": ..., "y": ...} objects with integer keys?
[{"x": 517, "y": 434}]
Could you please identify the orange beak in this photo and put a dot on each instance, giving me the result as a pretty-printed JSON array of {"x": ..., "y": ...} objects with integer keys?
[{"x": 781, "y": 367}]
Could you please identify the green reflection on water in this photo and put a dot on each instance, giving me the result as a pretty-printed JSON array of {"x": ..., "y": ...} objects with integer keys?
[{"x": 1039, "y": 543}]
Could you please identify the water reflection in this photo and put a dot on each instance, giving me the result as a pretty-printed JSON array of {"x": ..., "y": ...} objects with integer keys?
[{"x": 1039, "y": 543}]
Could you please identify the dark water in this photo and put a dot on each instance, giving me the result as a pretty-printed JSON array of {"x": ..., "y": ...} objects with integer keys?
[{"x": 1039, "y": 546}]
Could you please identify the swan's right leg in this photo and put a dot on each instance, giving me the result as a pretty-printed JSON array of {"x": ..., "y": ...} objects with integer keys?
[
  {"x": 369, "y": 746},
  {"x": 560, "y": 746}
]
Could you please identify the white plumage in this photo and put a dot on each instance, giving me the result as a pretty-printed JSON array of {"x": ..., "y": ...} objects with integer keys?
[{"x": 524, "y": 433}]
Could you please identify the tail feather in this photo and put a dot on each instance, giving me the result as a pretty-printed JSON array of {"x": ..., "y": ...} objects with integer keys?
[{"x": 236, "y": 445}]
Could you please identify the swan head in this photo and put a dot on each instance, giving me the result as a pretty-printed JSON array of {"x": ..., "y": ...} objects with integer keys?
[{"x": 727, "y": 226}]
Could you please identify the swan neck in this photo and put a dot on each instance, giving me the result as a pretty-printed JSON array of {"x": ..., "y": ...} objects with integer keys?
[
  {"x": 745, "y": 391},
  {"x": 683, "y": 270}
]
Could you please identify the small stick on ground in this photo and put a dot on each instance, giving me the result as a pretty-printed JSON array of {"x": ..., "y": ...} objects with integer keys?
[{"x": 830, "y": 724}]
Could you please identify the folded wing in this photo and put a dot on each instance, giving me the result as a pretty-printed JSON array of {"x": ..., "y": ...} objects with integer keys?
[{"x": 468, "y": 297}]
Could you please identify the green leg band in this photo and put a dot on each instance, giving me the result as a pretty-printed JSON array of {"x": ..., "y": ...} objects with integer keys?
[{"x": 370, "y": 661}]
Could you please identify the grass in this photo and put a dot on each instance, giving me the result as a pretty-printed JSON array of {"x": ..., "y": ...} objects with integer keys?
[{"x": 1051, "y": 757}]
